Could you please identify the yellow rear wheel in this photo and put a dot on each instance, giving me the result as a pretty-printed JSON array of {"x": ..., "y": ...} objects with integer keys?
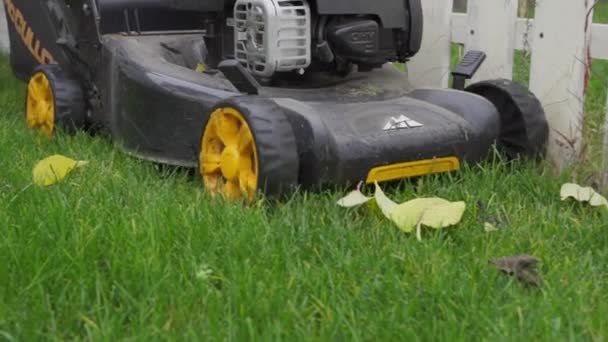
[
  {"x": 248, "y": 147},
  {"x": 53, "y": 100},
  {"x": 40, "y": 111}
]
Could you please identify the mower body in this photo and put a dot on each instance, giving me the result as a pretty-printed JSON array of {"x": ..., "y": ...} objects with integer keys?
[
  {"x": 144, "y": 90},
  {"x": 343, "y": 130}
]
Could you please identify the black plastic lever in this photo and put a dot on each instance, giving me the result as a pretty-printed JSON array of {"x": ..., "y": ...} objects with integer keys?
[
  {"x": 239, "y": 77},
  {"x": 467, "y": 68}
]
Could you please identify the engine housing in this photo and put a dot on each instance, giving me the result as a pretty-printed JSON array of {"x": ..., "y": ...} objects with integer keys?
[{"x": 272, "y": 35}]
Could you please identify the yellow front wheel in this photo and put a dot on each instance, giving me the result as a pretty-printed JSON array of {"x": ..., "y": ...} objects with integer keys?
[
  {"x": 248, "y": 146},
  {"x": 53, "y": 100}
]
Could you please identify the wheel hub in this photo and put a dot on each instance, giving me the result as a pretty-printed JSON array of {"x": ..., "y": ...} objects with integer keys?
[{"x": 230, "y": 163}]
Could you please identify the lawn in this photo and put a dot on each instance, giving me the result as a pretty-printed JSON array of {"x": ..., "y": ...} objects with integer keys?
[{"x": 126, "y": 249}]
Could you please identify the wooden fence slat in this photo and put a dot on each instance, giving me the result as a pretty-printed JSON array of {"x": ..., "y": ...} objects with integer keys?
[
  {"x": 524, "y": 35},
  {"x": 599, "y": 41},
  {"x": 491, "y": 28},
  {"x": 431, "y": 66},
  {"x": 459, "y": 28},
  {"x": 558, "y": 72},
  {"x": 4, "y": 42},
  {"x": 605, "y": 168}
]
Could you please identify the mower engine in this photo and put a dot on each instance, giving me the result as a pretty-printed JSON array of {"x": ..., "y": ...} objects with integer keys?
[
  {"x": 272, "y": 35},
  {"x": 278, "y": 36}
]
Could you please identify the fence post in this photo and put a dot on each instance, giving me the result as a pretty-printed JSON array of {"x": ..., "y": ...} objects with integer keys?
[
  {"x": 605, "y": 166},
  {"x": 491, "y": 28},
  {"x": 431, "y": 66},
  {"x": 559, "y": 72},
  {"x": 4, "y": 42}
]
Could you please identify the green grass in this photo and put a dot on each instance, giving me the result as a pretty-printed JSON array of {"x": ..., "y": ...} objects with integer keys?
[
  {"x": 124, "y": 249},
  {"x": 601, "y": 12}
]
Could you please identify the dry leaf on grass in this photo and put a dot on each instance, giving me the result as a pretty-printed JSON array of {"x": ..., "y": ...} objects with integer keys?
[
  {"x": 353, "y": 199},
  {"x": 54, "y": 169},
  {"x": 433, "y": 212},
  {"x": 386, "y": 204},
  {"x": 490, "y": 227},
  {"x": 586, "y": 195},
  {"x": 524, "y": 267}
]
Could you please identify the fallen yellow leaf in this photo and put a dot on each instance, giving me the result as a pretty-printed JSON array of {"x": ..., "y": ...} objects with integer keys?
[
  {"x": 587, "y": 195},
  {"x": 353, "y": 199},
  {"x": 489, "y": 227},
  {"x": 431, "y": 212},
  {"x": 386, "y": 204},
  {"x": 54, "y": 169}
]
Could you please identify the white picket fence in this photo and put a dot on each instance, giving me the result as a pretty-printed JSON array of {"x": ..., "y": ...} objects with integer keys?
[
  {"x": 4, "y": 44},
  {"x": 561, "y": 39}
]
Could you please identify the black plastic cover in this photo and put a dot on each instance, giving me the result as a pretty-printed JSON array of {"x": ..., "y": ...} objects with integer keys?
[
  {"x": 188, "y": 5},
  {"x": 32, "y": 37},
  {"x": 392, "y": 13},
  {"x": 154, "y": 15},
  {"x": 357, "y": 40},
  {"x": 404, "y": 16},
  {"x": 416, "y": 27}
]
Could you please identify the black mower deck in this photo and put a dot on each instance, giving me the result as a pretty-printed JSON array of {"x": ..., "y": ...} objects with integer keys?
[{"x": 156, "y": 108}]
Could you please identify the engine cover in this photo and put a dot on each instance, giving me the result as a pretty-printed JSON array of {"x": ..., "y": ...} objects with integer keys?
[
  {"x": 357, "y": 40},
  {"x": 272, "y": 35}
]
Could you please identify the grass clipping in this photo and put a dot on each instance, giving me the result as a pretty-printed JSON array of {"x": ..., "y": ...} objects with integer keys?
[{"x": 436, "y": 213}]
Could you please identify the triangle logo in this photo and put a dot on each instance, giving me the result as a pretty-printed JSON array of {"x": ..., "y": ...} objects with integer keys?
[{"x": 401, "y": 122}]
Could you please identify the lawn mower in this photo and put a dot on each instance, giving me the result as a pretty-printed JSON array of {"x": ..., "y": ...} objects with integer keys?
[{"x": 262, "y": 96}]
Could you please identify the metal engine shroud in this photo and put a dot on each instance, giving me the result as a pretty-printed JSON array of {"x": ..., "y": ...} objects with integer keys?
[{"x": 272, "y": 35}]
